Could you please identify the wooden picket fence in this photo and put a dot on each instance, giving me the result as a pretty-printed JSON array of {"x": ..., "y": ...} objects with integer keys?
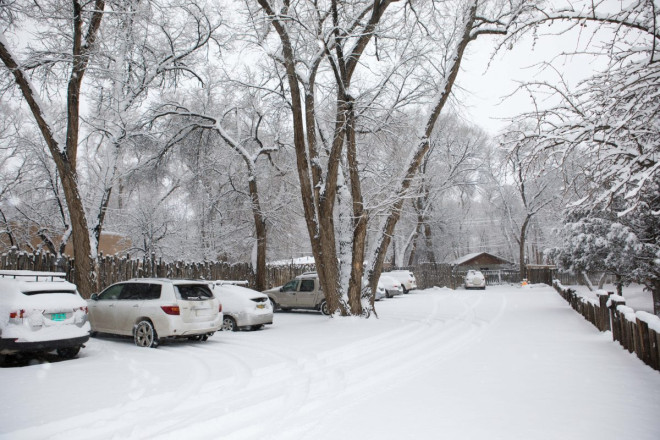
[
  {"x": 637, "y": 332},
  {"x": 112, "y": 269}
]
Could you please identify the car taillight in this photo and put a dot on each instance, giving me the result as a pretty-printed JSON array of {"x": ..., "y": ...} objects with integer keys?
[
  {"x": 84, "y": 309},
  {"x": 171, "y": 310},
  {"x": 19, "y": 314},
  {"x": 219, "y": 307}
]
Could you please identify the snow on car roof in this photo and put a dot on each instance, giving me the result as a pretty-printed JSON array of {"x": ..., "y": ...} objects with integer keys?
[
  {"x": 33, "y": 281},
  {"x": 239, "y": 290},
  {"x": 231, "y": 282},
  {"x": 31, "y": 275}
]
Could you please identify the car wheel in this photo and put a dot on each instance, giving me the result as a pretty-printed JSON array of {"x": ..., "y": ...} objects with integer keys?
[
  {"x": 387, "y": 294},
  {"x": 405, "y": 291},
  {"x": 229, "y": 324},
  {"x": 68, "y": 352},
  {"x": 145, "y": 335},
  {"x": 324, "y": 308},
  {"x": 273, "y": 304}
]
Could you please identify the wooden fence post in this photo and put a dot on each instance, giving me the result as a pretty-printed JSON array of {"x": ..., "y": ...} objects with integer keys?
[
  {"x": 603, "y": 313},
  {"x": 634, "y": 336},
  {"x": 616, "y": 319},
  {"x": 644, "y": 347}
]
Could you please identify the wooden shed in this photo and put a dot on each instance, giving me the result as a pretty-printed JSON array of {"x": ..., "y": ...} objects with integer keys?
[{"x": 480, "y": 261}]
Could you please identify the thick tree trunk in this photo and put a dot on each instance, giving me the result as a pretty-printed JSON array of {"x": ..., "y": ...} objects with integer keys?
[
  {"x": 84, "y": 270},
  {"x": 260, "y": 228},
  {"x": 359, "y": 218},
  {"x": 429, "y": 243},
  {"x": 523, "y": 236}
]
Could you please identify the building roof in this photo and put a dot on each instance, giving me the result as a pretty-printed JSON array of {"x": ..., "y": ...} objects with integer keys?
[{"x": 469, "y": 257}]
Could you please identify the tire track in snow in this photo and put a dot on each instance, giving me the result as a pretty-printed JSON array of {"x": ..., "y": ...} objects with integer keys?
[{"x": 330, "y": 379}]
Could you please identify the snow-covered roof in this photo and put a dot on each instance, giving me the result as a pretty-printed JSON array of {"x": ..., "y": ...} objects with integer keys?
[{"x": 465, "y": 258}]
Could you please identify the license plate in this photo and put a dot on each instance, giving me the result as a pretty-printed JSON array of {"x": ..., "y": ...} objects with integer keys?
[
  {"x": 261, "y": 306},
  {"x": 58, "y": 316}
]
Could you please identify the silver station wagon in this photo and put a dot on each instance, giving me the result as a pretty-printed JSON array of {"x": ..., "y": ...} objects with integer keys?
[{"x": 152, "y": 309}]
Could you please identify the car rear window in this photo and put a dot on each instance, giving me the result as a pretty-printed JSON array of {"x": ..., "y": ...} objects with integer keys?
[
  {"x": 194, "y": 292},
  {"x": 42, "y": 292}
]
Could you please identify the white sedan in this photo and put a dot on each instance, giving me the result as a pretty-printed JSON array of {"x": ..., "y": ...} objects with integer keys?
[
  {"x": 390, "y": 285},
  {"x": 243, "y": 308}
]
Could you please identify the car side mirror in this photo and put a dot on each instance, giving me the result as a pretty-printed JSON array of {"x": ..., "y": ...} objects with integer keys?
[{"x": 94, "y": 297}]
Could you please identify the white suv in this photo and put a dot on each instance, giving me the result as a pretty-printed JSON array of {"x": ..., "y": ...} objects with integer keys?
[
  {"x": 150, "y": 309},
  {"x": 41, "y": 312},
  {"x": 474, "y": 279}
]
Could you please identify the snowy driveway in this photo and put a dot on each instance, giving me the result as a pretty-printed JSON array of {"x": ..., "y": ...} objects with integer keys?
[{"x": 507, "y": 363}]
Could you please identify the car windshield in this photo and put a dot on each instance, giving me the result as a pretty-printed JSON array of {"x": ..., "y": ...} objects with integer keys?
[{"x": 194, "y": 292}]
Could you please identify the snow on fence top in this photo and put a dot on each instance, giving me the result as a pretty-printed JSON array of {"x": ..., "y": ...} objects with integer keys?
[{"x": 649, "y": 318}]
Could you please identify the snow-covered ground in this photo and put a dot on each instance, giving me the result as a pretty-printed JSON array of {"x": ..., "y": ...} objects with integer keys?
[
  {"x": 636, "y": 295},
  {"x": 504, "y": 363}
]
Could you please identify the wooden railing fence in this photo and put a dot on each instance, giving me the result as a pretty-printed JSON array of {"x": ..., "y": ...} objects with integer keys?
[{"x": 638, "y": 332}]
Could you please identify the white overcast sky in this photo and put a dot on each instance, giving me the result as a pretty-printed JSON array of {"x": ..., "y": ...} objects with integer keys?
[{"x": 484, "y": 87}]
